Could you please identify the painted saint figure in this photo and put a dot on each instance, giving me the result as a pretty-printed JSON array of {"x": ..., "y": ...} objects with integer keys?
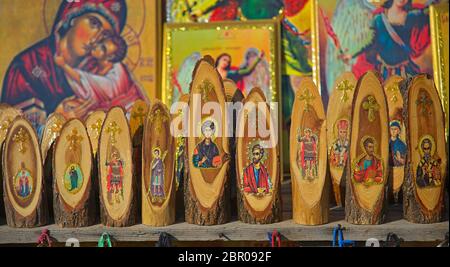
[
  {"x": 428, "y": 171},
  {"x": 256, "y": 178},
  {"x": 179, "y": 164},
  {"x": 206, "y": 153},
  {"x": 396, "y": 145},
  {"x": 115, "y": 176},
  {"x": 307, "y": 154},
  {"x": 73, "y": 178},
  {"x": 157, "y": 176},
  {"x": 339, "y": 149},
  {"x": 369, "y": 169},
  {"x": 23, "y": 176}
]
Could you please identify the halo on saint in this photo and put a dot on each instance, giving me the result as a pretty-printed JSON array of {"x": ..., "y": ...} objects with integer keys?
[{"x": 431, "y": 141}]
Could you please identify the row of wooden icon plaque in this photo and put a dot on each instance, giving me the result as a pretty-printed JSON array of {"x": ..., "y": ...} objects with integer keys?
[{"x": 373, "y": 137}]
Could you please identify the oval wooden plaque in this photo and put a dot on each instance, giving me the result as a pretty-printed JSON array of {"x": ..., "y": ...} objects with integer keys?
[
  {"x": 338, "y": 131},
  {"x": 118, "y": 188},
  {"x": 94, "y": 124},
  {"x": 178, "y": 120},
  {"x": 426, "y": 165},
  {"x": 52, "y": 129},
  {"x": 23, "y": 183},
  {"x": 158, "y": 180},
  {"x": 397, "y": 134},
  {"x": 369, "y": 153},
  {"x": 258, "y": 202},
  {"x": 207, "y": 188},
  {"x": 74, "y": 199},
  {"x": 308, "y": 157},
  {"x": 138, "y": 114}
]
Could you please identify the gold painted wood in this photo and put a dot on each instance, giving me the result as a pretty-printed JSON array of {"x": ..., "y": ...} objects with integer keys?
[
  {"x": 94, "y": 124},
  {"x": 118, "y": 186},
  {"x": 23, "y": 183},
  {"x": 74, "y": 189},
  {"x": 366, "y": 180},
  {"x": 426, "y": 164},
  {"x": 308, "y": 157},
  {"x": 257, "y": 203},
  {"x": 207, "y": 184},
  {"x": 397, "y": 145},
  {"x": 158, "y": 179},
  {"x": 338, "y": 132}
]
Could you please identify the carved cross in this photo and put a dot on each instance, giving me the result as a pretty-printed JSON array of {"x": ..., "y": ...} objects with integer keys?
[
  {"x": 21, "y": 137},
  {"x": 394, "y": 90},
  {"x": 56, "y": 128},
  {"x": 158, "y": 119},
  {"x": 205, "y": 88},
  {"x": 424, "y": 102},
  {"x": 345, "y": 86},
  {"x": 97, "y": 127},
  {"x": 307, "y": 97},
  {"x": 5, "y": 125},
  {"x": 113, "y": 129},
  {"x": 139, "y": 115},
  {"x": 74, "y": 139},
  {"x": 371, "y": 106}
]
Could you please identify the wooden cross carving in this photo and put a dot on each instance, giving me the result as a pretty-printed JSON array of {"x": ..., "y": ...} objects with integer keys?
[
  {"x": 158, "y": 119},
  {"x": 371, "y": 106},
  {"x": 205, "y": 87},
  {"x": 97, "y": 127},
  {"x": 394, "y": 90},
  {"x": 307, "y": 97},
  {"x": 113, "y": 129},
  {"x": 345, "y": 86},
  {"x": 139, "y": 114},
  {"x": 74, "y": 139},
  {"x": 5, "y": 125},
  {"x": 21, "y": 137},
  {"x": 424, "y": 102}
]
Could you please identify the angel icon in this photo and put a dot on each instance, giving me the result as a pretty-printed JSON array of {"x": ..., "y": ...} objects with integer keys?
[{"x": 157, "y": 175}]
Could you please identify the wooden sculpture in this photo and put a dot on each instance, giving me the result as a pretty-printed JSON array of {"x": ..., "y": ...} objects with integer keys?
[
  {"x": 207, "y": 184},
  {"x": 366, "y": 180},
  {"x": 118, "y": 187},
  {"x": 338, "y": 132},
  {"x": 257, "y": 151},
  {"x": 158, "y": 179},
  {"x": 94, "y": 124},
  {"x": 7, "y": 115},
  {"x": 397, "y": 145},
  {"x": 23, "y": 183},
  {"x": 74, "y": 198},
  {"x": 308, "y": 157},
  {"x": 426, "y": 166}
]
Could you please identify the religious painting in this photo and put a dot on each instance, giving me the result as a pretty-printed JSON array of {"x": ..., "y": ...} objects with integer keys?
[
  {"x": 74, "y": 57},
  {"x": 428, "y": 173},
  {"x": 206, "y": 153},
  {"x": 307, "y": 154},
  {"x": 156, "y": 187},
  {"x": 368, "y": 168},
  {"x": 391, "y": 37},
  {"x": 255, "y": 177},
  {"x": 73, "y": 175},
  {"x": 245, "y": 52},
  {"x": 23, "y": 182},
  {"x": 179, "y": 160},
  {"x": 114, "y": 178},
  {"x": 340, "y": 146},
  {"x": 397, "y": 146}
]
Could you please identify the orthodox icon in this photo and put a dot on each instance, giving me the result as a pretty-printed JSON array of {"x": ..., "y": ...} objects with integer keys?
[
  {"x": 23, "y": 182},
  {"x": 256, "y": 179},
  {"x": 206, "y": 153},
  {"x": 368, "y": 169},
  {"x": 157, "y": 176},
  {"x": 428, "y": 172},
  {"x": 179, "y": 161},
  {"x": 307, "y": 154},
  {"x": 114, "y": 177},
  {"x": 73, "y": 178},
  {"x": 396, "y": 145},
  {"x": 339, "y": 148}
]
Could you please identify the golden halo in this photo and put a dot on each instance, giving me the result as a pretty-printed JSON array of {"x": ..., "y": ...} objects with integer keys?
[
  {"x": 250, "y": 148},
  {"x": 433, "y": 145},
  {"x": 157, "y": 149},
  {"x": 375, "y": 143},
  {"x": 335, "y": 126},
  {"x": 199, "y": 127}
]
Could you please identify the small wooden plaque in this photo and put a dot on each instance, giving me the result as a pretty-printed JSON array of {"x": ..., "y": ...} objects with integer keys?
[
  {"x": 426, "y": 164},
  {"x": 23, "y": 183},
  {"x": 118, "y": 186},
  {"x": 74, "y": 199},
  {"x": 94, "y": 124},
  {"x": 308, "y": 157},
  {"x": 258, "y": 202},
  {"x": 158, "y": 180},
  {"x": 365, "y": 200}
]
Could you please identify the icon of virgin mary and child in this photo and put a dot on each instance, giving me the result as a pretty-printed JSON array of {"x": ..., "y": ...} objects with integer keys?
[{"x": 78, "y": 68}]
